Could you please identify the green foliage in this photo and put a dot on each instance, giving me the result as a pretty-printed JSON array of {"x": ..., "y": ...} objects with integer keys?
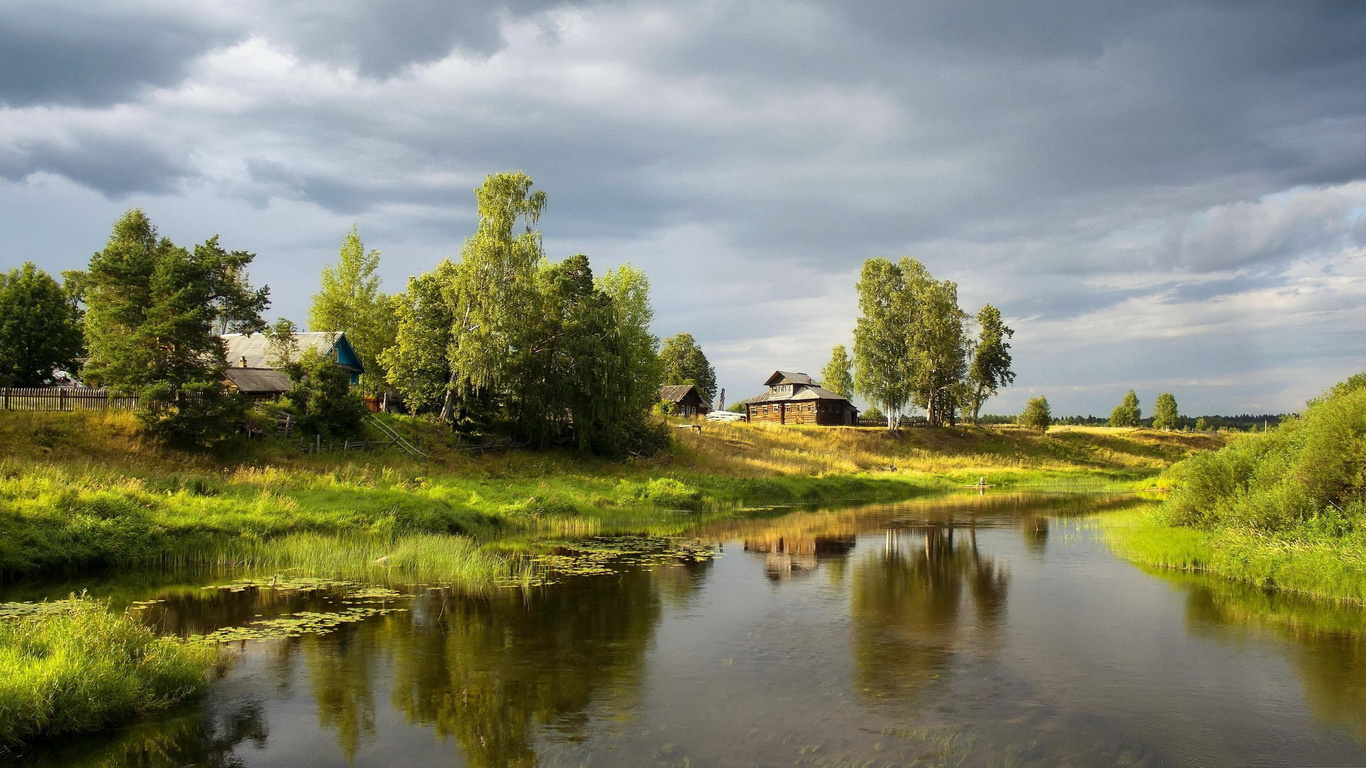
[
  {"x": 1165, "y": 413},
  {"x": 504, "y": 337},
  {"x": 40, "y": 328},
  {"x": 350, "y": 302},
  {"x": 837, "y": 375},
  {"x": 1036, "y": 414},
  {"x": 1127, "y": 414},
  {"x": 322, "y": 397},
  {"x": 1306, "y": 475},
  {"x": 684, "y": 363},
  {"x": 990, "y": 369},
  {"x": 910, "y": 341},
  {"x": 77, "y": 667},
  {"x": 196, "y": 414},
  {"x": 1202, "y": 424},
  {"x": 873, "y": 412},
  {"x": 153, "y": 312}
]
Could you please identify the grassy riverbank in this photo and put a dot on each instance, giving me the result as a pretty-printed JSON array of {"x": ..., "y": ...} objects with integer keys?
[
  {"x": 1284, "y": 509},
  {"x": 80, "y": 492},
  {"x": 74, "y": 666}
]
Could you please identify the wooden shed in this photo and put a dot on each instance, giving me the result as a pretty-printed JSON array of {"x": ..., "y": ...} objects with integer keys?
[
  {"x": 795, "y": 398},
  {"x": 256, "y": 383},
  {"x": 685, "y": 399}
]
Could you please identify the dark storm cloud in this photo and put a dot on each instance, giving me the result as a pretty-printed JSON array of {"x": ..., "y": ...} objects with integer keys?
[
  {"x": 57, "y": 52},
  {"x": 1077, "y": 163}
]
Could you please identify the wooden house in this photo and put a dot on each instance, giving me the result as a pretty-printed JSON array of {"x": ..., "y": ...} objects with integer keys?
[
  {"x": 252, "y": 350},
  {"x": 250, "y": 372},
  {"x": 795, "y": 398},
  {"x": 685, "y": 399}
]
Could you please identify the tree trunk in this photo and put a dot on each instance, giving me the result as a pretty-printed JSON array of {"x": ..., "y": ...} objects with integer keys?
[{"x": 450, "y": 398}]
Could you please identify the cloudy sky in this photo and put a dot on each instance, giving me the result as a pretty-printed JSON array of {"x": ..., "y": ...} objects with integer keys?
[{"x": 1169, "y": 196}]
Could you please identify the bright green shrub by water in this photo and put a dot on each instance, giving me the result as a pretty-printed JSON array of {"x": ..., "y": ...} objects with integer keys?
[
  {"x": 76, "y": 666},
  {"x": 1308, "y": 472}
]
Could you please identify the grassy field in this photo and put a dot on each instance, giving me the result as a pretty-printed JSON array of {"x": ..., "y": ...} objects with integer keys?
[{"x": 83, "y": 491}]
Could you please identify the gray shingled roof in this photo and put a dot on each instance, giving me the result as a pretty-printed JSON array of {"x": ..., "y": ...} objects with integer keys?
[
  {"x": 802, "y": 393},
  {"x": 255, "y": 347},
  {"x": 257, "y": 380},
  {"x": 790, "y": 377},
  {"x": 675, "y": 393}
]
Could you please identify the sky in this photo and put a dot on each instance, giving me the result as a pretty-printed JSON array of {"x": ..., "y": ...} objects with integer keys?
[{"x": 1164, "y": 196}]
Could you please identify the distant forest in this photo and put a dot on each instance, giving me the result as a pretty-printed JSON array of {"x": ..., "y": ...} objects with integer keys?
[{"x": 1243, "y": 422}]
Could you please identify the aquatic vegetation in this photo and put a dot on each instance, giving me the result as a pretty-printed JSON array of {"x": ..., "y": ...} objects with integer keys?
[
  {"x": 294, "y": 625},
  {"x": 73, "y": 666}
]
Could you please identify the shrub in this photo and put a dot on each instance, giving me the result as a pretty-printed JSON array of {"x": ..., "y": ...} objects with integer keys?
[
  {"x": 1307, "y": 469},
  {"x": 322, "y": 397},
  {"x": 1037, "y": 414}
]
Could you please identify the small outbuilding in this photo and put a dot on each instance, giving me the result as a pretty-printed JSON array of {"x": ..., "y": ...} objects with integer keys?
[
  {"x": 795, "y": 398},
  {"x": 685, "y": 399}
]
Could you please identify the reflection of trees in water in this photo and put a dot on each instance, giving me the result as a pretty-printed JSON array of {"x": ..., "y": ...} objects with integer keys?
[
  {"x": 1327, "y": 640},
  {"x": 789, "y": 554},
  {"x": 908, "y": 597},
  {"x": 340, "y": 676},
  {"x": 489, "y": 671},
  {"x": 207, "y": 742},
  {"x": 1034, "y": 528},
  {"x": 678, "y": 581}
]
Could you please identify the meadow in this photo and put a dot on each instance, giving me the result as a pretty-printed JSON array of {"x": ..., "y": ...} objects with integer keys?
[{"x": 85, "y": 491}]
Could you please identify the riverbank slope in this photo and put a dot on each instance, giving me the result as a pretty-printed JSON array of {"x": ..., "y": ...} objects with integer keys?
[{"x": 83, "y": 491}]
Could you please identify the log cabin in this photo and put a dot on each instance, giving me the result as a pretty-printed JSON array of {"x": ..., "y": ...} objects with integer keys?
[
  {"x": 685, "y": 399},
  {"x": 795, "y": 398}
]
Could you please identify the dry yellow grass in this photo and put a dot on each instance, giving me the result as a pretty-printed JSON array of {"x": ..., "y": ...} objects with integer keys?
[{"x": 756, "y": 450}]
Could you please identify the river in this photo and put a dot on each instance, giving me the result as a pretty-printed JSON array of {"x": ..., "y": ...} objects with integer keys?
[{"x": 992, "y": 630}]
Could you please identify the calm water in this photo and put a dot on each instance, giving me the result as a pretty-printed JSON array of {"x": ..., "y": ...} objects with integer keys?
[{"x": 989, "y": 631}]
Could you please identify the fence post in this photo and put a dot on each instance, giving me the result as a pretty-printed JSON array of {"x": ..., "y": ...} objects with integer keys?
[
  {"x": 61, "y": 399},
  {"x": 7, "y": 398}
]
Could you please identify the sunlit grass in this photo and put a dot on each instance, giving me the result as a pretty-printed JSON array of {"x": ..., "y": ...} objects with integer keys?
[{"x": 82, "y": 667}]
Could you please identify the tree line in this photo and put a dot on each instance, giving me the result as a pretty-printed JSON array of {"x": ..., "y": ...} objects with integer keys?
[{"x": 501, "y": 339}]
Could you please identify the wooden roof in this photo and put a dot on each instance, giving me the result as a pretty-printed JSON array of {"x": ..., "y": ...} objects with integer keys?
[
  {"x": 789, "y": 377},
  {"x": 674, "y": 393},
  {"x": 257, "y": 380},
  {"x": 255, "y": 347}
]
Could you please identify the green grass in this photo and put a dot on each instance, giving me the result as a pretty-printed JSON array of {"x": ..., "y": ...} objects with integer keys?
[
  {"x": 76, "y": 666},
  {"x": 1284, "y": 509},
  {"x": 81, "y": 492},
  {"x": 1303, "y": 561}
]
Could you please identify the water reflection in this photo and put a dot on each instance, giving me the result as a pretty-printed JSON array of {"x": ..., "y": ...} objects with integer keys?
[
  {"x": 908, "y": 600},
  {"x": 1326, "y": 640},
  {"x": 981, "y": 629}
]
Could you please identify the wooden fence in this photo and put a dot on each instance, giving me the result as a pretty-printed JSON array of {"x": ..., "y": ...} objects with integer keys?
[{"x": 63, "y": 399}]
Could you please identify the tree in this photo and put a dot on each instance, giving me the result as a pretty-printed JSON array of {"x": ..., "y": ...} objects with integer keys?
[
  {"x": 684, "y": 363},
  {"x": 990, "y": 368},
  {"x": 418, "y": 364},
  {"x": 837, "y": 376},
  {"x": 882, "y": 350},
  {"x": 1165, "y": 414},
  {"x": 629, "y": 289},
  {"x": 40, "y": 328},
  {"x": 321, "y": 395},
  {"x": 350, "y": 302},
  {"x": 1037, "y": 414},
  {"x": 1202, "y": 424},
  {"x": 1126, "y": 414},
  {"x": 152, "y": 308}
]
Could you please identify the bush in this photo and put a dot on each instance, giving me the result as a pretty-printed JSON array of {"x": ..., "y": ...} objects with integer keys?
[
  {"x": 1037, "y": 414},
  {"x": 75, "y": 666},
  {"x": 321, "y": 396},
  {"x": 1310, "y": 470},
  {"x": 196, "y": 415}
]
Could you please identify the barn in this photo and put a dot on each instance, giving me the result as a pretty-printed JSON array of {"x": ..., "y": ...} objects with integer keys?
[{"x": 795, "y": 398}]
